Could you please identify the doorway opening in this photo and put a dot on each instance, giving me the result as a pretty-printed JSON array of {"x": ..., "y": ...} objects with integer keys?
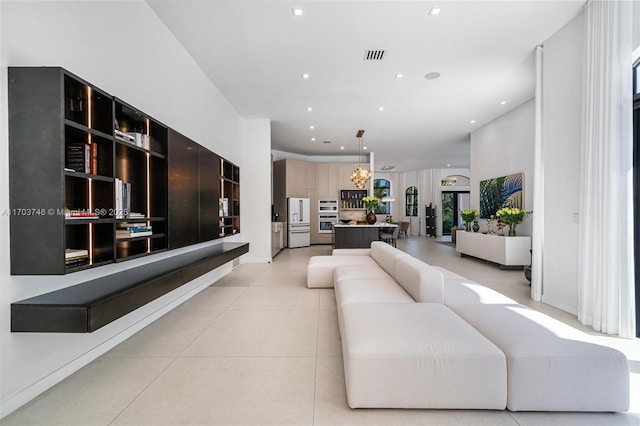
[{"x": 452, "y": 203}]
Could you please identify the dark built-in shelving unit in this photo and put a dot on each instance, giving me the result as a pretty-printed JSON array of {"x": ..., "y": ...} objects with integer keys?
[{"x": 95, "y": 181}]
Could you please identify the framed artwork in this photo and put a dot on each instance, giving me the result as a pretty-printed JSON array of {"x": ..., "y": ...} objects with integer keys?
[{"x": 504, "y": 191}]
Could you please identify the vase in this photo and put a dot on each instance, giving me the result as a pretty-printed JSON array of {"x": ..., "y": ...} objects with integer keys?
[
  {"x": 475, "y": 226},
  {"x": 371, "y": 218},
  {"x": 467, "y": 226},
  {"x": 512, "y": 230}
]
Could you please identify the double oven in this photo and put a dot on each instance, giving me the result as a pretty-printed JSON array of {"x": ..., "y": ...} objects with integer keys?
[{"x": 327, "y": 215}]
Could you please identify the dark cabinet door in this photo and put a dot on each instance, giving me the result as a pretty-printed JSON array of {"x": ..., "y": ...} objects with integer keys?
[
  {"x": 209, "y": 180},
  {"x": 184, "y": 208}
]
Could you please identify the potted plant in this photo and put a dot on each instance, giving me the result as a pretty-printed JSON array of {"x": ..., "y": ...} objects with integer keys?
[
  {"x": 512, "y": 216},
  {"x": 370, "y": 204},
  {"x": 469, "y": 215}
]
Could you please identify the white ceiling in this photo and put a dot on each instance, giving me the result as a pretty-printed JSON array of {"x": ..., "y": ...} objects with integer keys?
[{"x": 255, "y": 52}]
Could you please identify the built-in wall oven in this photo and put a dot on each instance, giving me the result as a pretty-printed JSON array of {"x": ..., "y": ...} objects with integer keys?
[
  {"x": 326, "y": 222},
  {"x": 326, "y": 205}
]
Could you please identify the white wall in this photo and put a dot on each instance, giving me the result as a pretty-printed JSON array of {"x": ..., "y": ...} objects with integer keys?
[
  {"x": 561, "y": 136},
  {"x": 504, "y": 147},
  {"x": 255, "y": 190},
  {"x": 124, "y": 49}
]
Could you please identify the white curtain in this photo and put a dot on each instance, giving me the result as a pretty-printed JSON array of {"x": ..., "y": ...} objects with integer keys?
[{"x": 606, "y": 279}]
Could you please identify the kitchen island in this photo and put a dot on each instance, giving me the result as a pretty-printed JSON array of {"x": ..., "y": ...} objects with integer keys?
[{"x": 358, "y": 236}]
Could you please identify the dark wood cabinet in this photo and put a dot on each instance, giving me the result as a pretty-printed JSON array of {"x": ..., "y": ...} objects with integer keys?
[{"x": 194, "y": 192}]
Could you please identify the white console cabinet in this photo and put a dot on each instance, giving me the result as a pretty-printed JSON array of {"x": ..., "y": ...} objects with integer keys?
[{"x": 505, "y": 251}]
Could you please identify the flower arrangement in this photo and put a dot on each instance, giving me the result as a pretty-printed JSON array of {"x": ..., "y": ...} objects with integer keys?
[
  {"x": 371, "y": 203},
  {"x": 512, "y": 216},
  {"x": 469, "y": 215}
]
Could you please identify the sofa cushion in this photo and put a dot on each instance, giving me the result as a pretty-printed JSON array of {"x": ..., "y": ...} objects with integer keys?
[
  {"x": 386, "y": 256},
  {"x": 370, "y": 290},
  {"x": 418, "y": 355},
  {"x": 423, "y": 282},
  {"x": 351, "y": 252},
  {"x": 551, "y": 366},
  {"x": 320, "y": 268},
  {"x": 362, "y": 271},
  {"x": 448, "y": 274},
  {"x": 464, "y": 291}
]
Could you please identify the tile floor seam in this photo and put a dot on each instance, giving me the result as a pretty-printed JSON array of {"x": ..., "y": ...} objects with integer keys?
[
  {"x": 135, "y": 398},
  {"x": 315, "y": 372}
]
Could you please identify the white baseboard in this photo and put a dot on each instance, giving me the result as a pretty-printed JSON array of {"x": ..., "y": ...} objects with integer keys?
[
  {"x": 562, "y": 306},
  {"x": 189, "y": 289}
]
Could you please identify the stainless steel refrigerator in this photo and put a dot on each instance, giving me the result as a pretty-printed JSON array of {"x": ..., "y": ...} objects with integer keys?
[{"x": 299, "y": 222}]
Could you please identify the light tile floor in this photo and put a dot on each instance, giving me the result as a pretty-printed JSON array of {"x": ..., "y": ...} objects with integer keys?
[{"x": 259, "y": 348}]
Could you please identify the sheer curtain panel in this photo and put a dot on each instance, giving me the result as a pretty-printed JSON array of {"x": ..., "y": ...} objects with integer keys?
[{"x": 606, "y": 279}]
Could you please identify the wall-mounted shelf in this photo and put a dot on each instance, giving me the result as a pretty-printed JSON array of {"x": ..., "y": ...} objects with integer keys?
[{"x": 351, "y": 199}]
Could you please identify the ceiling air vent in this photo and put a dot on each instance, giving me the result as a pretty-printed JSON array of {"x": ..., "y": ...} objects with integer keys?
[
  {"x": 373, "y": 55},
  {"x": 387, "y": 167},
  {"x": 326, "y": 141}
]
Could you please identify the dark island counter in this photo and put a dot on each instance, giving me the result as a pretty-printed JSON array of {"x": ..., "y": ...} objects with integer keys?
[{"x": 357, "y": 236}]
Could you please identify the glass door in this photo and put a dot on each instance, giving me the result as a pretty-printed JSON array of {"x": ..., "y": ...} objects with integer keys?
[{"x": 452, "y": 203}]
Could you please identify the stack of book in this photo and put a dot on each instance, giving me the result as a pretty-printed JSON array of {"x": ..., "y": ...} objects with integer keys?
[
  {"x": 75, "y": 257},
  {"x": 132, "y": 231},
  {"x": 80, "y": 214},
  {"x": 140, "y": 140}
]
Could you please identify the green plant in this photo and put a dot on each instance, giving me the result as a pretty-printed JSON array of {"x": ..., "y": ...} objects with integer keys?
[
  {"x": 371, "y": 203},
  {"x": 469, "y": 215},
  {"x": 512, "y": 217}
]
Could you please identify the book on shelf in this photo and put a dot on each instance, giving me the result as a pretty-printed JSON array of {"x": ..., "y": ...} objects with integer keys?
[
  {"x": 136, "y": 215},
  {"x": 124, "y": 137},
  {"x": 93, "y": 167},
  {"x": 126, "y": 230},
  {"x": 72, "y": 263},
  {"x": 72, "y": 254},
  {"x": 79, "y": 157},
  {"x": 80, "y": 214},
  {"x": 123, "y": 199},
  {"x": 140, "y": 140}
]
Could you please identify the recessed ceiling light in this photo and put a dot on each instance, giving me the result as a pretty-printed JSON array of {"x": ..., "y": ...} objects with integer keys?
[
  {"x": 296, "y": 12},
  {"x": 313, "y": 139},
  {"x": 342, "y": 147},
  {"x": 364, "y": 147},
  {"x": 432, "y": 75},
  {"x": 305, "y": 76},
  {"x": 448, "y": 165},
  {"x": 503, "y": 102},
  {"x": 399, "y": 75},
  {"x": 380, "y": 108},
  {"x": 312, "y": 127},
  {"x": 472, "y": 121},
  {"x": 309, "y": 109},
  {"x": 435, "y": 11}
]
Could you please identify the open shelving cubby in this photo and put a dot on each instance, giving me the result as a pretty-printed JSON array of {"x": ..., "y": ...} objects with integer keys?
[{"x": 229, "y": 198}]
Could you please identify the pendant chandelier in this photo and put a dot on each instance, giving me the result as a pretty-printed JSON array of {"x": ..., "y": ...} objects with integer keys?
[{"x": 360, "y": 176}]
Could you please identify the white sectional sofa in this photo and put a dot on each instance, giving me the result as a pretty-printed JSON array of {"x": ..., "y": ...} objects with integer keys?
[{"x": 418, "y": 336}]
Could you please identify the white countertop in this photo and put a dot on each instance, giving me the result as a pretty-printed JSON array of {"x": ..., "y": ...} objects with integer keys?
[{"x": 364, "y": 225}]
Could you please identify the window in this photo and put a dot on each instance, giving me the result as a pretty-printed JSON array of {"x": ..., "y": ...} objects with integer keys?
[
  {"x": 382, "y": 189},
  {"x": 411, "y": 198}
]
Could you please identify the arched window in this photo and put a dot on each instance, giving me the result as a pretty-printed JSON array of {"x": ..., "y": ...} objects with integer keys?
[
  {"x": 382, "y": 189},
  {"x": 411, "y": 201}
]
